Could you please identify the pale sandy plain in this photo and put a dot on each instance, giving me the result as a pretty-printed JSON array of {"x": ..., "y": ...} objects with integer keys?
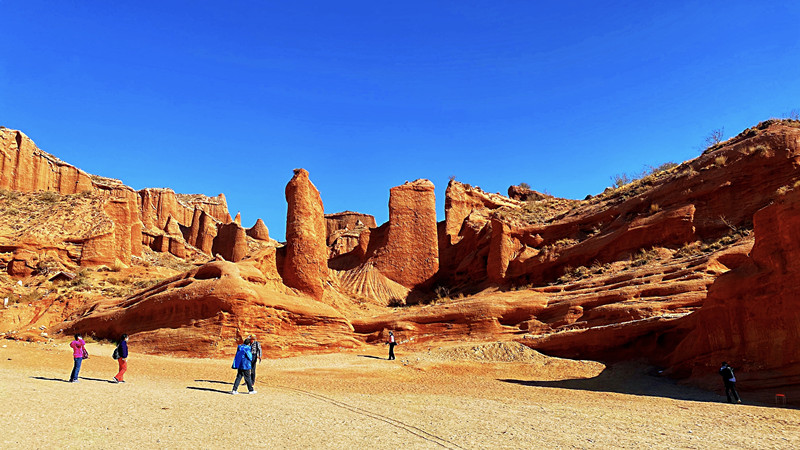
[{"x": 431, "y": 397}]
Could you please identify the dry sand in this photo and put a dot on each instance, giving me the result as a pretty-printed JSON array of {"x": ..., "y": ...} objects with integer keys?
[{"x": 495, "y": 396}]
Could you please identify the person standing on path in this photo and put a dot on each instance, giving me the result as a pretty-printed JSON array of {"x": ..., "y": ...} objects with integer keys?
[
  {"x": 122, "y": 358},
  {"x": 391, "y": 343},
  {"x": 78, "y": 353},
  {"x": 255, "y": 350},
  {"x": 242, "y": 363},
  {"x": 728, "y": 378}
]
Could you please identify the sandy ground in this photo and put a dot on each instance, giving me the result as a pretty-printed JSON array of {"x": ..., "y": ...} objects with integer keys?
[{"x": 429, "y": 398}]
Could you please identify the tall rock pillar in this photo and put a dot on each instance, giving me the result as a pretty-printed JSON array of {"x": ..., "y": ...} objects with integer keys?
[
  {"x": 305, "y": 266},
  {"x": 411, "y": 254}
]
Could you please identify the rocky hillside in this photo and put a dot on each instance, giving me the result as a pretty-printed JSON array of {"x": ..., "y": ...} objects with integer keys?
[{"x": 659, "y": 268}]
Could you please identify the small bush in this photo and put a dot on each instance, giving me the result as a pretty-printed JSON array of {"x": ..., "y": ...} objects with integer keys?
[
  {"x": 654, "y": 208},
  {"x": 720, "y": 161},
  {"x": 395, "y": 302},
  {"x": 50, "y": 197},
  {"x": 714, "y": 138}
]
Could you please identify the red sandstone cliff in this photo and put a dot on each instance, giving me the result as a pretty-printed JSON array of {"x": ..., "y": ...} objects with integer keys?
[
  {"x": 751, "y": 317},
  {"x": 129, "y": 218}
]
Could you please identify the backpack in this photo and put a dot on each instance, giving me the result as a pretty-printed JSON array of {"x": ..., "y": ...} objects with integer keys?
[{"x": 115, "y": 355}]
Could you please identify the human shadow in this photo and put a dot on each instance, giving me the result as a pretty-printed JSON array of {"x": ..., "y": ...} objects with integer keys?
[
  {"x": 370, "y": 356},
  {"x": 51, "y": 379},
  {"x": 96, "y": 379},
  {"x": 213, "y": 381},
  {"x": 628, "y": 379},
  {"x": 218, "y": 391}
]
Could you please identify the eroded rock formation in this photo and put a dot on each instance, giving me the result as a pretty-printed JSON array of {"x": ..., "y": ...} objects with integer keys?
[
  {"x": 259, "y": 231},
  {"x": 213, "y": 307},
  {"x": 230, "y": 242},
  {"x": 305, "y": 266},
  {"x": 751, "y": 317},
  {"x": 410, "y": 253}
]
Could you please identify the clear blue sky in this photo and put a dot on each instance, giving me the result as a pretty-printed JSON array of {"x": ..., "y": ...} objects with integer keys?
[{"x": 210, "y": 97}]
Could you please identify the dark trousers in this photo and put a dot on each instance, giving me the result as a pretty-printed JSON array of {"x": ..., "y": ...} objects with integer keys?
[
  {"x": 76, "y": 369},
  {"x": 243, "y": 373},
  {"x": 253, "y": 371},
  {"x": 730, "y": 388},
  {"x": 391, "y": 350}
]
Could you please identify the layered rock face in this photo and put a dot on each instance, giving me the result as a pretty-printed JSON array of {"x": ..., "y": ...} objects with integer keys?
[
  {"x": 751, "y": 317},
  {"x": 346, "y": 220},
  {"x": 461, "y": 200},
  {"x": 26, "y": 168},
  {"x": 124, "y": 239},
  {"x": 410, "y": 255},
  {"x": 346, "y": 231},
  {"x": 118, "y": 233},
  {"x": 213, "y": 307},
  {"x": 305, "y": 265},
  {"x": 158, "y": 205},
  {"x": 699, "y": 200}
]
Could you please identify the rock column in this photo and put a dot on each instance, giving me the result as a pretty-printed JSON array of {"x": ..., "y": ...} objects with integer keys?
[{"x": 305, "y": 265}]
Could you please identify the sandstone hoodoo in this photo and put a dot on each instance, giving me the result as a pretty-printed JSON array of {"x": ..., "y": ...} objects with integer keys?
[
  {"x": 259, "y": 231},
  {"x": 659, "y": 268},
  {"x": 305, "y": 266},
  {"x": 230, "y": 242},
  {"x": 410, "y": 255}
]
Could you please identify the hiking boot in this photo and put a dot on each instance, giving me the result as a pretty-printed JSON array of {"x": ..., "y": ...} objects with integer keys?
[{"x": 253, "y": 392}]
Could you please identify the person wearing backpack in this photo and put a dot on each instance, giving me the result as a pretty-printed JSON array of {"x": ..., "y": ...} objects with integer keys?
[
  {"x": 79, "y": 353},
  {"x": 121, "y": 355},
  {"x": 728, "y": 378},
  {"x": 242, "y": 362}
]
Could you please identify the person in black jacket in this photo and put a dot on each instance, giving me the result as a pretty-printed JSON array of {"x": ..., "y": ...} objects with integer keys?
[
  {"x": 122, "y": 359},
  {"x": 726, "y": 372}
]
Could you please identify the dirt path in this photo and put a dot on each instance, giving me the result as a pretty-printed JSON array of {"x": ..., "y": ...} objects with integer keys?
[{"x": 422, "y": 400}]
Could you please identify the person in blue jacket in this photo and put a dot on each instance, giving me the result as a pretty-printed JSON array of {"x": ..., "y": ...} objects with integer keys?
[{"x": 242, "y": 363}]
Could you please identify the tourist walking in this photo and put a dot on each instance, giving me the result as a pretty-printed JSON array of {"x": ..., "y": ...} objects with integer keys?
[
  {"x": 79, "y": 353},
  {"x": 242, "y": 363},
  {"x": 729, "y": 379},
  {"x": 121, "y": 355},
  {"x": 391, "y": 343},
  {"x": 255, "y": 350}
]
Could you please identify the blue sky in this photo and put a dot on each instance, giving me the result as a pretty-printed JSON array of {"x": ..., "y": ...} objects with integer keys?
[{"x": 210, "y": 97}]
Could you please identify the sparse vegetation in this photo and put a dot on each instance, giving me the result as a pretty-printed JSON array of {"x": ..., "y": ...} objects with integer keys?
[
  {"x": 49, "y": 197},
  {"x": 720, "y": 161},
  {"x": 714, "y": 138},
  {"x": 524, "y": 185},
  {"x": 643, "y": 257},
  {"x": 654, "y": 208},
  {"x": 395, "y": 302}
]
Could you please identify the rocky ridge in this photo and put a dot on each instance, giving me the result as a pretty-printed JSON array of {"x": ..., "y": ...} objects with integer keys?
[{"x": 657, "y": 268}]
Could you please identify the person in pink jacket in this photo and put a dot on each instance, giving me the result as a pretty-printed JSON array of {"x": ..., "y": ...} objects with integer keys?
[{"x": 78, "y": 353}]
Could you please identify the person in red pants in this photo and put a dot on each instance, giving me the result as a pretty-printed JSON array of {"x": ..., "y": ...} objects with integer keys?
[{"x": 122, "y": 353}]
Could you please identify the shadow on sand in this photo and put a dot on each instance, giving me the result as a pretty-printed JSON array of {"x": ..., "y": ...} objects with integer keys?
[
  {"x": 370, "y": 356},
  {"x": 213, "y": 381},
  {"x": 67, "y": 381},
  {"x": 51, "y": 379},
  {"x": 629, "y": 379},
  {"x": 218, "y": 391}
]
